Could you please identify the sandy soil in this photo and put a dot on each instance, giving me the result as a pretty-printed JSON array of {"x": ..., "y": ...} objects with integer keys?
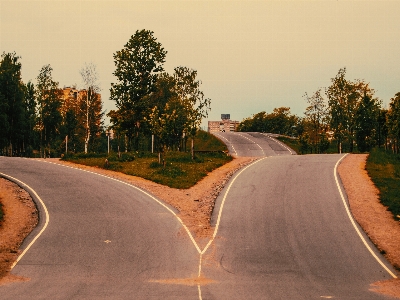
[
  {"x": 20, "y": 217},
  {"x": 196, "y": 204},
  {"x": 373, "y": 217}
]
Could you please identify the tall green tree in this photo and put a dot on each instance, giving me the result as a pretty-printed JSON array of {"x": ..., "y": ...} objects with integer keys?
[
  {"x": 12, "y": 109},
  {"x": 393, "y": 122},
  {"x": 49, "y": 98},
  {"x": 165, "y": 114},
  {"x": 31, "y": 136},
  {"x": 195, "y": 105},
  {"x": 137, "y": 67},
  {"x": 344, "y": 96},
  {"x": 367, "y": 123},
  {"x": 316, "y": 118}
]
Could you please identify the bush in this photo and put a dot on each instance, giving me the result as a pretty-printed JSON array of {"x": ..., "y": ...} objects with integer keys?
[
  {"x": 125, "y": 157},
  {"x": 384, "y": 169},
  {"x": 155, "y": 165}
]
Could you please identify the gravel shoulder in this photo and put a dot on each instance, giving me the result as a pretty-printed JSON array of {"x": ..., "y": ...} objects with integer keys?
[
  {"x": 373, "y": 217},
  {"x": 196, "y": 204}
]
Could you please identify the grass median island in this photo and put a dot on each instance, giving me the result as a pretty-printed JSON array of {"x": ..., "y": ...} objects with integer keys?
[
  {"x": 179, "y": 171},
  {"x": 384, "y": 169}
]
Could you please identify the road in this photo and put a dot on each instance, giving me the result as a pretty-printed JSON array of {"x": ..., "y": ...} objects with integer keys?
[
  {"x": 104, "y": 240},
  {"x": 284, "y": 232},
  {"x": 281, "y": 232},
  {"x": 253, "y": 144}
]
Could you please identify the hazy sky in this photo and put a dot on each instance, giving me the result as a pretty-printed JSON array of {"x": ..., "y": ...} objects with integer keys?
[{"x": 250, "y": 55}]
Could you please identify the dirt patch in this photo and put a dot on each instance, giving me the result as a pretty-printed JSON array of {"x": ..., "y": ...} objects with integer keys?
[
  {"x": 373, "y": 217},
  {"x": 20, "y": 217}
]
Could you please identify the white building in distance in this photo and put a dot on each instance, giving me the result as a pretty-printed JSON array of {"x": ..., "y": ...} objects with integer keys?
[{"x": 225, "y": 125}]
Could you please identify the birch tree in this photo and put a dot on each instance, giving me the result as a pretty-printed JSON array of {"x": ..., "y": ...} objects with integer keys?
[{"x": 90, "y": 99}]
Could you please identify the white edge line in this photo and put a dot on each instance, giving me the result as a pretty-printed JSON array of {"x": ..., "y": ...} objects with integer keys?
[
  {"x": 227, "y": 141},
  {"x": 279, "y": 142},
  {"x": 44, "y": 226},
  {"x": 223, "y": 203},
  {"x": 144, "y": 192},
  {"x": 253, "y": 142},
  {"x": 353, "y": 222}
]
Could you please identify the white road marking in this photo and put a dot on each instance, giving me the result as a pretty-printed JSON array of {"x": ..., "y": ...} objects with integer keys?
[
  {"x": 354, "y": 223},
  {"x": 201, "y": 252},
  {"x": 45, "y": 211},
  {"x": 253, "y": 142},
  {"x": 230, "y": 144},
  {"x": 144, "y": 192},
  {"x": 223, "y": 203},
  {"x": 280, "y": 143}
]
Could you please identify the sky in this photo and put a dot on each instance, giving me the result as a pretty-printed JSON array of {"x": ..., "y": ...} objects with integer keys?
[{"x": 251, "y": 56}]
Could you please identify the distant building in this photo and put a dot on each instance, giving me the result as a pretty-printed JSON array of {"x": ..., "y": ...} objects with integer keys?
[{"x": 225, "y": 125}]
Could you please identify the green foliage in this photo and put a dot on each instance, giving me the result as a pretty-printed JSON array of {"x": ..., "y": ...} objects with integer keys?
[
  {"x": 180, "y": 171},
  {"x": 12, "y": 107},
  {"x": 315, "y": 124},
  {"x": 137, "y": 67},
  {"x": 280, "y": 121},
  {"x": 206, "y": 141},
  {"x": 393, "y": 122},
  {"x": 349, "y": 114},
  {"x": 366, "y": 124},
  {"x": 384, "y": 170},
  {"x": 49, "y": 98}
]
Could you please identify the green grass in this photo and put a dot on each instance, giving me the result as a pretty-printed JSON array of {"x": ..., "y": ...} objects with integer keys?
[
  {"x": 180, "y": 171},
  {"x": 292, "y": 143},
  {"x": 207, "y": 142},
  {"x": 295, "y": 145},
  {"x": 384, "y": 169}
]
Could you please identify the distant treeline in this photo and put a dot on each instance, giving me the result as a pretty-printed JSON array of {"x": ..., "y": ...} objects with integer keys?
[{"x": 345, "y": 114}]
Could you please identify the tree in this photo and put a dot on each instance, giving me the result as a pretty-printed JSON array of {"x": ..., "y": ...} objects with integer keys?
[
  {"x": 393, "y": 122},
  {"x": 367, "y": 123},
  {"x": 164, "y": 114},
  {"x": 12, "y": 110},
  {"x": 90, "y": 103},
  {"x": 316, "y": 121},
  {"x": 49, "y": 98},
  {"x": 343, "y": 99},
  {"x": 280, "y": 121},
  {"x": 137, "y": 67},
  {"x": 30, "y": 104},
  {"x": 195, "y": 106}
]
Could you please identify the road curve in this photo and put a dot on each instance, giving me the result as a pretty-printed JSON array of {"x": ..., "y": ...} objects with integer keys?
[
  {"x": 284, "y": 234},
  {"x": 104, "y": 240},
  {"x": 253, "y": 144}
]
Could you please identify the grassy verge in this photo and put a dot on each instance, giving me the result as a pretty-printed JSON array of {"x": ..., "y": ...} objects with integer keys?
[
  {"x": 384, "y": 169},
  {"x": 296, "y": 146},
  {"x": 179, "y": 171},
  {"x": 292, "y": 143}
]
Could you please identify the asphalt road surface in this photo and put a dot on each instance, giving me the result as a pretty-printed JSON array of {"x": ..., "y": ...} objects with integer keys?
[
  {"x": 281, "y": 232},
  {"x": 253, "y": 144},
  {"x": 104, "y": 240}
]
